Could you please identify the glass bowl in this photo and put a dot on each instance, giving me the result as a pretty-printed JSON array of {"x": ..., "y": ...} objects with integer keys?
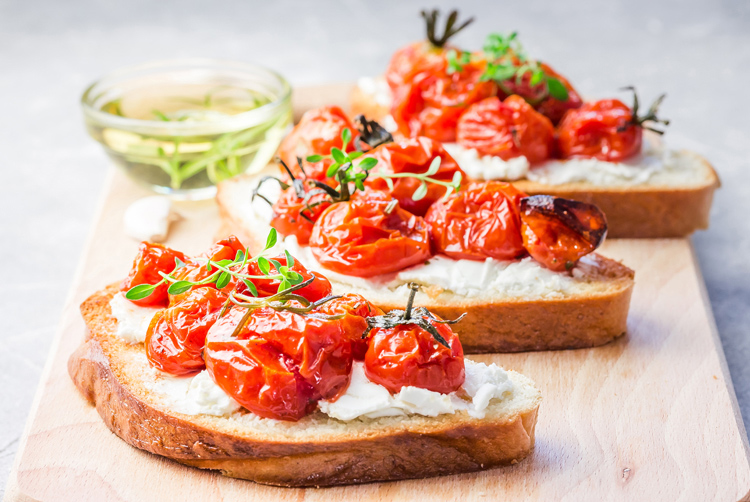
[{"x": 179, "y": 127}]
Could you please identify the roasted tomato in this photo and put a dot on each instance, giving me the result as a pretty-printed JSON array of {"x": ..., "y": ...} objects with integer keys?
[
  {"x": 195, "y": 270},
  {"x": 432, "y": 103},
  {"x": 480, "y": 222},
  {"x": 412, "y": 156},
  {"x": 369, "y": 235},
  {"x": 354, "y": 308},
  {"x": 557, "y": 232},
  {"x": 177, "y": 335},
  {"x": 603, "y": 129},
  {"x": 538, "y": 95},
  {"x": 150, "y": 260},
  {"x": 318, "y": 131},
  {"x": 280, "y": 363},
  {"x": 316, "y": 290},
  {"x": 506, "y": 129},
  {"x": 408, "y": 356},
  {"x": 293, "y": 215}
]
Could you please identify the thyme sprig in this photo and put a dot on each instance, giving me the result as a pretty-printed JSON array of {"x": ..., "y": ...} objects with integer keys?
[
  {"x": 650, "y": 116},
  {"x": 411, "y": 315},
  {"x": 224, "y": 270}
]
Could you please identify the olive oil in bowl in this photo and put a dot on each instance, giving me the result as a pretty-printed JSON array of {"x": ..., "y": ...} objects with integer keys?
[{"x": 181, "y": 127}]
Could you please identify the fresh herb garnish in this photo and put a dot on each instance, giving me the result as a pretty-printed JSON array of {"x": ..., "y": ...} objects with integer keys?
[
  {"x": 650, "y": 116},
  {"x": 411, "y": 315},
  {"x": 457, "y": 60},
  {"x": 431, "y": 20}
]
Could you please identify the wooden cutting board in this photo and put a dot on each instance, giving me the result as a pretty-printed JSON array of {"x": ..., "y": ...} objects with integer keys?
[{"x": 652, "y": 416}]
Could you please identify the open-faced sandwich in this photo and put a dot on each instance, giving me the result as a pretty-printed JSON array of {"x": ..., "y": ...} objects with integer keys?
[
  {"x": 250, "y": 366},
  {"x": 505, "y": 116},
  {"x": 375, "y": 214}
]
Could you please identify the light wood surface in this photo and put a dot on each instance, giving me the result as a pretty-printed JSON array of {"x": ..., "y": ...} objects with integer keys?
[{"x": 651, "y": 416}]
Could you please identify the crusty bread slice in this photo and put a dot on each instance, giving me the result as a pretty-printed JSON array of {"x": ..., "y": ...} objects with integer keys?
[
  {"x": 316, "y": 451},
  {"x": 633, "y": 211},
  {"x": 593, "y": 313}
]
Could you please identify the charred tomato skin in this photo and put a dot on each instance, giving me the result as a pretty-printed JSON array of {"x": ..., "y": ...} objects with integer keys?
[{"x": 151, "y": 259}]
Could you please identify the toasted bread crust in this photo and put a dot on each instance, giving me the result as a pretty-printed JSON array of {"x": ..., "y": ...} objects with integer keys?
[
  {"x": 632, "y": 211},
  {"x": 446, "y": 447}
]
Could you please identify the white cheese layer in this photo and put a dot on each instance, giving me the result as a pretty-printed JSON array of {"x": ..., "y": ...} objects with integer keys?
[
  {"x": 132, "y": 320},
  {"x": 377, "y": 89},
  {"x": 364, "y": 398},
  {"x": 199, "y": 395},
  {"x": 655, "y": 166}
]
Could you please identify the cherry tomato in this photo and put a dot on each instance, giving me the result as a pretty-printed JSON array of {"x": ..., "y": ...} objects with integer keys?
[
  {"x": 506, "y": 129},
  {"x": 602, "y": 129},
  {"x": 195, "y": 270},
  {"x": 316, "y": 290},
  {"x": 432, "y": 103},
  {"x": 480, "y": 222},
  {"x": 369, "y": 235},
  {"x": 150, "y": 260},
  {"x": 557, "y": 232},
  {"x": 295, "y": 216},
  {"x": 416, "y": 58},
  {"x": 409, "y": 356},
  {"x": 538, "y": 97},
  {"x": 354, "y": 308},
  {"x": 176, "y": 336},
  {"x": 318, "y": 131},
  {"x": 280, "y": 363},
  {"x": 412, "y": 156}
]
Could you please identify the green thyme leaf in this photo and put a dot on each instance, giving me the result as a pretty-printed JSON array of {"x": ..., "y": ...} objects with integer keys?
[
  {"x": 223, "y": 280},
  {"x": 178, "y": 263},
  {"x": 263, "y": 265},
  {"x": 338, "y": 155},
  {"x": 420, "y": 192},
  {"x": 557, "y": 89},
  {"x": 368, "y": 163},
  {"x": 179, "y": 287},
  {"x": 346, "y": 137},
  {"x": 536, "y": 77},
  {"x": 332, "y": 169},
  {"x": 208, "y": 265},
  {"x": 140, "y": 291},
  {"x": 251, "y": 287},
  {"x": 289, "y": 259},
  {"x": 240, "y": 256},
  {"x": 314, "y": 158},
  {"x": 434, "y": 166},
  {"x": 354, "y": 155},
  {"x": 271, "y": 239},
  {"x": 360, "y": 185},
  {"x": 276, "y": 265}
]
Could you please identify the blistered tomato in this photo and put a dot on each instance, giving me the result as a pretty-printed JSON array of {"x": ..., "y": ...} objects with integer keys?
[
  {"x": 354, "y": 309},
  {"x": 177, "y": 335},
  {"x": 150, "y": 260},
  {"x": 557, "y": 232},
  {"x": 409, "y": 356},
  {"x": 316, "y": 290},
  {"x": 195, "y": 269},
  {"x": 479, "y": 222},
  {"x": 506, "y": 129},
  {"x": 412, "y": 156},
  {"x": 293, "y": 215},
  {"x": 369, "y": 235}
]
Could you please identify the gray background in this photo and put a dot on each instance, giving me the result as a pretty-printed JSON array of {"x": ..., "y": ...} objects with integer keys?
[{"x": 52, "y": 173}]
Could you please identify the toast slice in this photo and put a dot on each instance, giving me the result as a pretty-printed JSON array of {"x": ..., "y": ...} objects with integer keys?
[
  {"x": 633, "y": 211},
  {"x": 592, "y": 312},
  {"x": 116, "y": 378}
]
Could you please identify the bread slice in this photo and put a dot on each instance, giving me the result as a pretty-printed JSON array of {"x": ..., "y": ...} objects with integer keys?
[
  {"x": 593, "y": 312},
  {"x": 633, "y": 211},
  {"x": 316, "y": 451}
]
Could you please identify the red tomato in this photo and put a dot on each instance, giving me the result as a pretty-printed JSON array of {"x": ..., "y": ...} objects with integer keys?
[
  {"x": 176, "y": 336},
  {"x": 432, "y": 103},
  {"x": 416, "y": 58},
  {"x": 537, "y": 95},
  {"x": 408, "y": 356},
  {"x": 506, "y": 129},
  {"x": 318, "y": 131},
  {"x": 195, "y": 270},
  {"x": 369, "y": 235},
  {"x": 412, "y": 156},
  {"x": 354, "y": 308},
  {"x": 280, "y": 363},
  {"x": 480, "y": 222},
  {"x": 557, "y": 232},
  {"x": 602, "y": 129},
  {"x": 316, "y": 290},
  {"x": 295, "y": 216},
  {"x": 150, "y": 260}
]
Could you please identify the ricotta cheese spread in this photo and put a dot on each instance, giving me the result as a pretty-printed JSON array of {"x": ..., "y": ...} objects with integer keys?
[
  {"x": 148, "y": 219},
  {"x": 654, "y": 166},
  {"x": 199, "y": 395},
  {"x": 132, "y": 320},
  {"x": 364, "y": 398}
]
